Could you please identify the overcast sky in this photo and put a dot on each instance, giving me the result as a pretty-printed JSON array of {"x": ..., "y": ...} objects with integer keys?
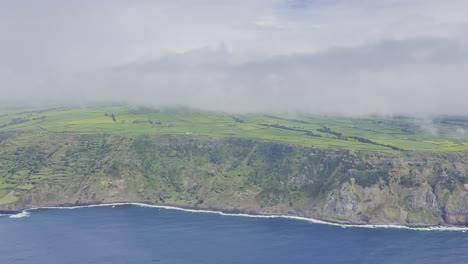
[{"x": 319, "y": 56}]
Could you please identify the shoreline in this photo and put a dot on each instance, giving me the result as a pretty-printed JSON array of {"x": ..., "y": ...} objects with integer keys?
[{"x": 235, "y": 213}]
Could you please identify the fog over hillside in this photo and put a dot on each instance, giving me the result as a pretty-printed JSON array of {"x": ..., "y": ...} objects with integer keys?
[{"x": 334, "y": 57}]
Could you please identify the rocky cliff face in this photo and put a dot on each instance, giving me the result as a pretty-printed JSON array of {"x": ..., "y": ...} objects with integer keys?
[
  {"x": 428, "y": 191},
  {"x": 239, "y": 174}
]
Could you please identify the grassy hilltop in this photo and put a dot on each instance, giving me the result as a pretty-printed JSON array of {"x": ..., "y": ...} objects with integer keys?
[
  {"x": 377, "y": 170},
  {"x": 377, "y": 134}
]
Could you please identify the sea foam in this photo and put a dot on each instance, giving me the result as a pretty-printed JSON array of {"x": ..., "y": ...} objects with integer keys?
[
  {"x": 20, "y": 215},
  {"x": 298, "y": 218}
]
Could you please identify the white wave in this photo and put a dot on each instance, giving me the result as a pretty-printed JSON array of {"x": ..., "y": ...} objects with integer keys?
[
  {"x": 299, "y": 218},
  {"x": 79, "y": 206},
  {"x": 20, "y": 215},
  {"x": 311, "y": 220}
]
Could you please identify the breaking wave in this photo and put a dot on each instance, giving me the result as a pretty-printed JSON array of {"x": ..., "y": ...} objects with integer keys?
[
  {"x": 20, "y": 215},
  {"x": 25, "y": 213}
]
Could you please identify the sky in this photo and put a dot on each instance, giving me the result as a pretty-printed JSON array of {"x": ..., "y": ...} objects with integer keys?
[{"x": 351, "y": 57}]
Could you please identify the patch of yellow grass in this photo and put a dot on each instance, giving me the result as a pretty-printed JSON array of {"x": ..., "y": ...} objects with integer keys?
[
  {"x": 25, "y": 187},
  {"x": 9, "y": 198}
]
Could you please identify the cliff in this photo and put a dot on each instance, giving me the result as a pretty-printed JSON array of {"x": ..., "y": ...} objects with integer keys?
[{"x": 411, "y": 188}]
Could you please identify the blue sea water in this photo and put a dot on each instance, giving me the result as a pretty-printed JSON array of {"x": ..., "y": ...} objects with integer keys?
[{"x": 134, "y": 234}]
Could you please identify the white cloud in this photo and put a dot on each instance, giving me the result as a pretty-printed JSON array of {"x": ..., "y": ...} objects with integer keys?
[{"x": 351, "y": 57}]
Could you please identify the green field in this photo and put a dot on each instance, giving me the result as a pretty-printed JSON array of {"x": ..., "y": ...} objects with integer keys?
[
  {"x": 310, "y": 165},
  {"x": 376, "y": 133}
]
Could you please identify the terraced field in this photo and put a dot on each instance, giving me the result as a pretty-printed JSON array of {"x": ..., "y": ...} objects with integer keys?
[
  {"x": 376, "y": 133},
  {"x": 359, "y": 170}
]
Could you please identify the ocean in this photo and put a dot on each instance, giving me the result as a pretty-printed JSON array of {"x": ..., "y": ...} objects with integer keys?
[{"x": 143, "y": 234}]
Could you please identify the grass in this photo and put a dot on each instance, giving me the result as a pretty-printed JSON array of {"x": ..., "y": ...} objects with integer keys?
[
  {"x": 381, "y": 134},
  {"x": 70, "y": 154},
  {"x": 8, "y": 198}
]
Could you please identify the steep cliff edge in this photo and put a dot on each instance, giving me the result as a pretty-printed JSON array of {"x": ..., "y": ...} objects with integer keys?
[{"x": 236, "y": 174}]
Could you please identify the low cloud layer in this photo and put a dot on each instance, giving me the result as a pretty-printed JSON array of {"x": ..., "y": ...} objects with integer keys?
[{"x": 335, "y": 57}]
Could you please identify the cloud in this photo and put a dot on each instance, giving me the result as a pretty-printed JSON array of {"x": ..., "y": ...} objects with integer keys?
[{"x": 336, "y": 57}]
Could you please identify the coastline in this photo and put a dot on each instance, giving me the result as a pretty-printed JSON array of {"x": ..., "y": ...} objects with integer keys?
[{"x": 234, "y": 213}]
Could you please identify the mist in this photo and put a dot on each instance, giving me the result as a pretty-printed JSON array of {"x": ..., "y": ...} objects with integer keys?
[{"x": 356, "y": 58}]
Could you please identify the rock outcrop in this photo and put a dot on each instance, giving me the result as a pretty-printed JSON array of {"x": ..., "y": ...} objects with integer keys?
[{"x": 241, "y": 175}]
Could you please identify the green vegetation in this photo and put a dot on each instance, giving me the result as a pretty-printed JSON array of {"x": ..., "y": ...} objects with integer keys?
[
  {"x": 343, "y": 169},
  {"x": 8, "y": 198},
  {"x": 375, "y": 134}
]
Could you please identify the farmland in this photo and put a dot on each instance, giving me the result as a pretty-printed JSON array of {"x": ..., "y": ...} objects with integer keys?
[
  {"x": 355, "y": 170},
  {"x": 372, "y": 133}
]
